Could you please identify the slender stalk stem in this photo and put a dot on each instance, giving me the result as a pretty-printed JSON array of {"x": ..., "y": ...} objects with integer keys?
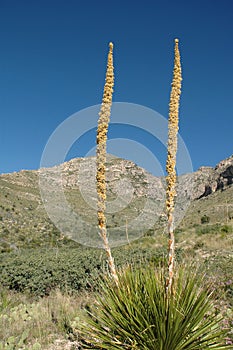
[
  {"x": 171, "y": 161},
  {"x": 104, "y": 117}
]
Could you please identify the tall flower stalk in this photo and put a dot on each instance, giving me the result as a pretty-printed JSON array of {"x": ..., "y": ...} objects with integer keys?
[
  {"x": 171, "y": 161},
  {"x": 104, "y": 117}
]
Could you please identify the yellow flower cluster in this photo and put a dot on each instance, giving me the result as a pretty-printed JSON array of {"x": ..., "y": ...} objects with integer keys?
[
  {"x": 171, "y": 160},
  {"x": 102, "y": 130},
  {"x": 172, "y": 131}
]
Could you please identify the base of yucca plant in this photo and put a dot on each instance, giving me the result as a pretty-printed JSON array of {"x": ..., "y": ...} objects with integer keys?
[{"x": 140, "y": 314}]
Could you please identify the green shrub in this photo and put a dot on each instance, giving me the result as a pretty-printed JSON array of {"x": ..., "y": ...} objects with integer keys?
[
  {"x": 215, "y": 228},
  {"x": 226, "y": 229},
  {"x": 205, "y": 219},
  {"x": 219, "y": 270},
  {"x": 38, "y": 271},
  {"x": 140, "y": 315}
]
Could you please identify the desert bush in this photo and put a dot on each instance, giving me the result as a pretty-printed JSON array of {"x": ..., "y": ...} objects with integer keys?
[
  {"x": 219, "y": 270},
  {"x": 215, "y": 228},
  {"x": 39, "y": 271},
  {"x": 226, "y": 229},
  {"x": 205, "y": 219}
]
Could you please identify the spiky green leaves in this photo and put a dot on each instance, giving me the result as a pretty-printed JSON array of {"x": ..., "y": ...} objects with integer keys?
[{"x": 138, "y": 314}]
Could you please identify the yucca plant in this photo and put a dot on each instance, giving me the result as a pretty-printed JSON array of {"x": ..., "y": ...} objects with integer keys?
[
  {"x": 138, "y": 310},
  {"x": 137, "y": 315}
]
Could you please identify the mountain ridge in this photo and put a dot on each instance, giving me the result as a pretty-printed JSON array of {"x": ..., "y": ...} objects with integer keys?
[{"x": 135, "y": 201}]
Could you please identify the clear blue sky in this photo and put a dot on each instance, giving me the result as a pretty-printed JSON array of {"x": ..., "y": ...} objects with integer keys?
[{"x": 53, "y": 59}]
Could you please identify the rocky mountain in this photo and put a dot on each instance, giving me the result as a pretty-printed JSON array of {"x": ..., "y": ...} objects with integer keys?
[
  {"x": 209, "y": 180},
  {"x": 51, "y": 206}
]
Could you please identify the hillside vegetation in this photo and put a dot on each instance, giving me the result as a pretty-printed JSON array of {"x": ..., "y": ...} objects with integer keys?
[{"x": 38, "y": 261}]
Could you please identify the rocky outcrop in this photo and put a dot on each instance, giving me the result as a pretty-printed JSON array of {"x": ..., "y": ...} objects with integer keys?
[{"x": 218, "y": 178}]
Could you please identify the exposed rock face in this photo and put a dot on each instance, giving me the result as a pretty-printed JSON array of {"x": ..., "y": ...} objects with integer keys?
[
  {"x": 80, "y": 172},
  {"x": 203, "y": 182},
  {"x": 215, "y": 179},
  {"x": 135, "y": 198}
]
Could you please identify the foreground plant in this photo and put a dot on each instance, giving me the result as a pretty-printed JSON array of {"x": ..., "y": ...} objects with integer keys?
[
  {"x": 136, "y": 314},
  {"x": 171, "y": 160},
  {"x": 136, "y": 311},
  {"x": 102, "y": 130}
]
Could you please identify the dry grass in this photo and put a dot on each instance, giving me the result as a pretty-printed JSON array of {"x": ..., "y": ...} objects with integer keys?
[{"x": 46, "y": 322}]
